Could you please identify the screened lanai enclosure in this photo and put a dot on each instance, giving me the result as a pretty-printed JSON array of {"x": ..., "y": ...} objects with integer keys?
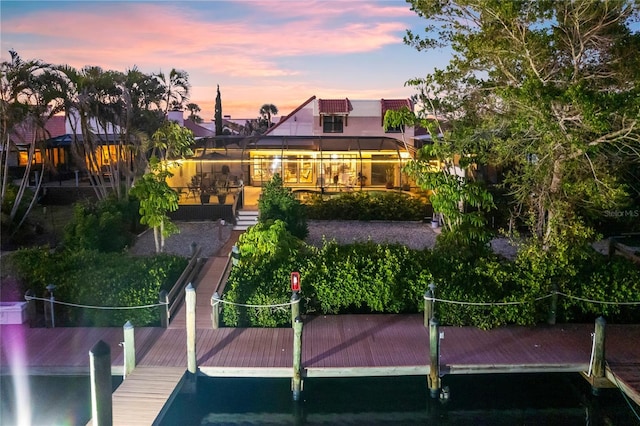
[{"x": 324, "y": 163}]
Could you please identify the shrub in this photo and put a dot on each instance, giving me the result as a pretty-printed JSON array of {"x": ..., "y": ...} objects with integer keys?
[
  {"x": 269, "y": 253},
  {"x": 365, "y": 205},
  {"x": 104, "y": 225},
  {"x": 387, "y": 278},
  {"x": 92, "y": 278},
  {"x": 279, "y": 203}
]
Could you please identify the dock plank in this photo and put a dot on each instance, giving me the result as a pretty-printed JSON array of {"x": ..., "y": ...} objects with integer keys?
[
  {"x": 144, "y": 395},
  {"x": 336, "y": 346}
]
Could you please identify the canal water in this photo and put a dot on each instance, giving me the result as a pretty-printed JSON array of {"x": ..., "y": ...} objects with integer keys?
[{"x": 529, "y": 399}]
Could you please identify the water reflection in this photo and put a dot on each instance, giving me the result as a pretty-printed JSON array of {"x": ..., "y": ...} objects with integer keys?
[
  {"x": 475, "y": 400},
  {"x": 551, "y": 399}
]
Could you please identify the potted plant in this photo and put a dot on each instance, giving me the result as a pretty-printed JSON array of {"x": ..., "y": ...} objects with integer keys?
[
  {"x": 206, "y": 191},
  {"x": 222, "y": 197},
  {"x": 390, "y": 176},
  {"x": 362, "y": 179},
  {"x": 205, "y": 196}
]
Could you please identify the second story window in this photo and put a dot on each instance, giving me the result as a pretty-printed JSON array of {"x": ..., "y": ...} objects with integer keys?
[
  {"x": 333, "y": 124},
  {"x": 395, "y": 129}
]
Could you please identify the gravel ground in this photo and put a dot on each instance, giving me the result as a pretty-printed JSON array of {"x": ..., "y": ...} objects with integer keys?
[
  {"x": 211, "y": 236},
  {"x": 415, "y": 235}
]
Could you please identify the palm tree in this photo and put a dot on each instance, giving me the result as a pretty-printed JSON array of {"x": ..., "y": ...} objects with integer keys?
[
  {"x": 267, "y": 111},
  {"x": 194, "y": 109},
  {"x": 30, "y": 94},
  {"x": 97, "y": 105},
  {"x": 175, "y": 89}
]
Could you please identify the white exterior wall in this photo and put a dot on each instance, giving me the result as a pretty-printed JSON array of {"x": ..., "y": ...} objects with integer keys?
[
  {"x": 364, "y": 120},
  {"x": 73, "y": 118},
  {"x": 300, "y": 124},
  {"x": 176, "y": 116}
]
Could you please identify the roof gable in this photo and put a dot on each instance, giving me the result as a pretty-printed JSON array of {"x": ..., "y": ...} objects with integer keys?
[
  {"x": 26, "y": 132},
  {"x": 291, "y": 114},
  {"x": 198, "y": 130},
  {"x": 394, "y": 105},
  {"x": 334, "y": 106}
]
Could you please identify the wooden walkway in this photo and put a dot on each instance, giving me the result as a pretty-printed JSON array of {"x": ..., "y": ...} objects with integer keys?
[
  {"x": 332, "y": 346},
  {"x": 145, "y": 395}
]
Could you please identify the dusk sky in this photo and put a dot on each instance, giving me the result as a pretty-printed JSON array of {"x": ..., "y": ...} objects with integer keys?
[{"x": 272, "y": 51}]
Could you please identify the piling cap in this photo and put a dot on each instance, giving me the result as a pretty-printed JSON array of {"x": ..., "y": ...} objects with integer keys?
[{"x": 100, "y": 348}]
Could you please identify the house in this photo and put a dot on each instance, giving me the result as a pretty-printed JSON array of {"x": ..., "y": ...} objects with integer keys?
[
  {"x": 324, "y": 144},
  {"x": 341, "y": 117},
  {"x": 25, "y": 134}
]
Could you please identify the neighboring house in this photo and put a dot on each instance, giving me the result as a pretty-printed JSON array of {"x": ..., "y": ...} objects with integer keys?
[
  {"x": 341, "y": 117},
  {"x": 327, "y": 144},
  {"x": 61, "y": 146},
  {"x": 25, "y": 135},
  {"x": 230, "y": 126},
  {"x": 199, "y": 130}
]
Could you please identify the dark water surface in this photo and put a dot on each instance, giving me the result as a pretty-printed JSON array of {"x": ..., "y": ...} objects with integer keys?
[
  {"x": 550, "y": 399},
  {"x": 514, "y": 399},
  {"x": 53, "y": 401}
]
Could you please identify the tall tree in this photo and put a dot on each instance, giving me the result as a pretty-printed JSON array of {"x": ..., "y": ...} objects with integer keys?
[
  {"x": 549, "y": 90},
  {"x": 168, "y": 144},
  {"x": 175, "y": 89},
  {"x": 96, "y": 111},
  {"x": 266, "y": 112},
  {"x": 194, "y": 109},
  {"x": 31, "y": 92},
  {"x": 218, "y": 113}
]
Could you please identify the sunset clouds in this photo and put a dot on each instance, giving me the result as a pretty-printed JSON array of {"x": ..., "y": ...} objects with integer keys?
[{"x": 279, "y": 52}]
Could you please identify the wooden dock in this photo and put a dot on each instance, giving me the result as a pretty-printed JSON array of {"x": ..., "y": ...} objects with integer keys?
[
  {"x": 145, "y": 395},
  {"x": 332, "y": 346}
]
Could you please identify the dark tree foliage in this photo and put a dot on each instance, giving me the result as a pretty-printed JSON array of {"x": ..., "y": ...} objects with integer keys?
[{"x": 278, "y": 202}]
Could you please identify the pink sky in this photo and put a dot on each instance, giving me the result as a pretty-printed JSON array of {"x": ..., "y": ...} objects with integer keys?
[{"x": 280, "y": 52}]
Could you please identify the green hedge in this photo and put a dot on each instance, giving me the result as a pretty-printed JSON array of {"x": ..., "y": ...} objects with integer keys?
[
  {"x": 366, "y": 205},
  {"x": 368, "y": 277},
  {"x": 94, "y": 278}
]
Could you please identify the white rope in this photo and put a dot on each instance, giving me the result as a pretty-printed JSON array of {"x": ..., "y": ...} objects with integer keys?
[
  {"x": 281, "y": 305},
  {"x": 75, "y": 305},
  {"x": 454, "y": 302},
  {"x": 458, "y": 302},
  {"x": 597, "y": 301},
  {"x": 626, "y": 398}
]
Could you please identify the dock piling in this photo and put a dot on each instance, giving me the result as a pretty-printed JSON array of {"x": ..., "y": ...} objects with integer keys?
[
  {"x": 434, "y": 357},
  {"x": 129, "y": 348},
  {"x": 295, "y": 307},
  {"x": 163, "y": 298},
  {"x": 215, "y": 311},
  {"x": 296, "y": 381},
  {"x": 429, "y": 304},
  {"x": 551, "y": 320},
  {"x": 190, "y": 300},
  {"x": 598, "y": 358},
  {"x": 31, "y": 308},
  {"x": 101, "y": 403}
]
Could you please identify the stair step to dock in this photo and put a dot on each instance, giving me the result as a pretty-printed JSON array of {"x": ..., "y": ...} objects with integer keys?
[{"x": 245, "y": 219}]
